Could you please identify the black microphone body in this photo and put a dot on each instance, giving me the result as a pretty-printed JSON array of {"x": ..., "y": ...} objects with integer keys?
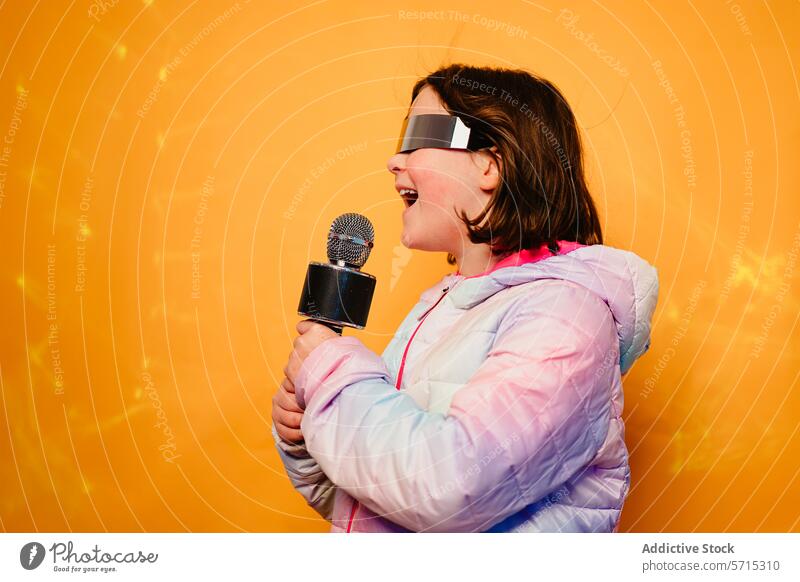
[{"x": 337, "y": 294}]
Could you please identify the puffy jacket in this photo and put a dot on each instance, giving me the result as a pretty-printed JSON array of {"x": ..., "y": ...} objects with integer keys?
[{"x": 495, "y": 407}]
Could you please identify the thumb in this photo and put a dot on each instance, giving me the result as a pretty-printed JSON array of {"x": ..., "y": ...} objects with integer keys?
[{"x": 303, "y": 326}]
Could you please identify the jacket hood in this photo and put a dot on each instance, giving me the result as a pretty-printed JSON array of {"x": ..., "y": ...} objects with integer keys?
[{"x": 627, "y": 284}]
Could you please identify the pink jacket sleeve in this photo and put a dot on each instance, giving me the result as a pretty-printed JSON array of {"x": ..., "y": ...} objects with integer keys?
[{"x": 533, "y": 415}]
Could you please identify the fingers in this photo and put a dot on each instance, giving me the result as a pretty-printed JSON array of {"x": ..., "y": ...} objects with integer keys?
[
  {"x": 288, "y": 385},
  {"x": 286, "y": 400},
  {"x": 287, "y": 417},
  {"x": 292, "y": 367},
  {"x": 287, "y": 422},
  {"x": 289, "y": 434},
  {"x": 286, "y": 414}
]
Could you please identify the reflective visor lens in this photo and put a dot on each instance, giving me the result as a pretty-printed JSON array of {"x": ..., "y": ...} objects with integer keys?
[{"x": 432, "y": 130}]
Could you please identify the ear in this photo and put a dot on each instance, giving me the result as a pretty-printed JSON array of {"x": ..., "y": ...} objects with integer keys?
[{"x": 489, "y": 165}]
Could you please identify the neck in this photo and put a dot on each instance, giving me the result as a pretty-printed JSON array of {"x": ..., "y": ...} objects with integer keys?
[{"x": 475, "y": 259}]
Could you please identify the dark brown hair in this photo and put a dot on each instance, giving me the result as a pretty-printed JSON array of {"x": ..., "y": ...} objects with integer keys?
[{"x": 543, "y": 196}]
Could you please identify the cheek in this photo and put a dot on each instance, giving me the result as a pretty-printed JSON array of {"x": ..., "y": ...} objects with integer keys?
[
  {"x": 442, "y": 180},
  {"x": 439, "y": 178}
]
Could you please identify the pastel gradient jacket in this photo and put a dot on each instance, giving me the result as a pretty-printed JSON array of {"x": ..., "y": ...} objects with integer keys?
[{"x": 496, "y": 406}]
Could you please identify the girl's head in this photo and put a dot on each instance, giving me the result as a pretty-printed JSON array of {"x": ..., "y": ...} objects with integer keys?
[{"x": 527, "y": 189}]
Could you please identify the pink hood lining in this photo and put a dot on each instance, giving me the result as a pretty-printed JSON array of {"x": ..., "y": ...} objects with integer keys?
[{"x": 527, "y": 256}]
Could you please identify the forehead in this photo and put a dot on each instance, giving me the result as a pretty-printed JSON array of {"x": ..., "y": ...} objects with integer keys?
[{"x": 427, "y": 101}]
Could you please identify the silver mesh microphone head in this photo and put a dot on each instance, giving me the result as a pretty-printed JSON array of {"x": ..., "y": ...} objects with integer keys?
[{"x": 350, "y": 239}]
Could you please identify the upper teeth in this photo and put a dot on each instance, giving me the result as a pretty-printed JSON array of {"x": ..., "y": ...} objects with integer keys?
[{"x": 407, "y": 192}]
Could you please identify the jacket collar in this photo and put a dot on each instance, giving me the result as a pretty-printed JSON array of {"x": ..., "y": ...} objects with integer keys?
[{"x": 466, "y": 292}]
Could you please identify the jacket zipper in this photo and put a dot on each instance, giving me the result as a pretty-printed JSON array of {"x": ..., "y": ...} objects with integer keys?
[{"x": 421, "y": 318}]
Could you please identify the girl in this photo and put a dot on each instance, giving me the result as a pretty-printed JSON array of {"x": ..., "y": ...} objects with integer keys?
[{"x": 497, "y": 405}]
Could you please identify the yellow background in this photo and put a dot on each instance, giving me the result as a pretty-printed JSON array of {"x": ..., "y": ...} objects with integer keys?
[{"x": 173, "y": 167}]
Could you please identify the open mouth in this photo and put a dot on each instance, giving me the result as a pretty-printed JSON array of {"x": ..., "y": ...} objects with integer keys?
[{"x": 409, "y": 196}]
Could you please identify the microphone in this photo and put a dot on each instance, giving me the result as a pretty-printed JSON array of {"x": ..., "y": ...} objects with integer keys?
[{"x": 337, "y": 294}]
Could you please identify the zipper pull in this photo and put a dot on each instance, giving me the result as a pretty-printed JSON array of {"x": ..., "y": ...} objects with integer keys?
[{"x": 434, "y": 304}]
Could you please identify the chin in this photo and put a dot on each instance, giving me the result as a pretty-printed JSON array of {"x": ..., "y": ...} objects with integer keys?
[
  {"x": 420, "y": 245},
  {"x": 412, "y": 240},
  {"x": 408, "y": 242}
]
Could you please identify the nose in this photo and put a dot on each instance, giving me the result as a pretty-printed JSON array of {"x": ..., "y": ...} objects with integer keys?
[{"x": 397, "y": 163}]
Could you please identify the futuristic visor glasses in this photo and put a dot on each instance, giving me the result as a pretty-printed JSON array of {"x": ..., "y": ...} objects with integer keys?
[{"x": 433, "y": 130}]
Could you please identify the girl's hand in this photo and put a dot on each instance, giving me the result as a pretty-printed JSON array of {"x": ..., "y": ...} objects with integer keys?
[
  {"x": 311, "y": 335},
  {"x": 286, "y": 414}
]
